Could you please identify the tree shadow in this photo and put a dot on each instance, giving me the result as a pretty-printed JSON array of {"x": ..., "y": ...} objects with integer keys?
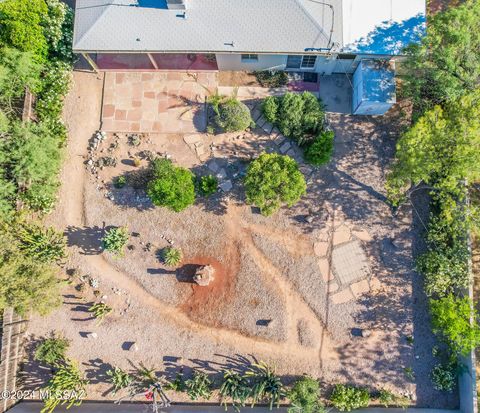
[{"x": 88, "y": 239}]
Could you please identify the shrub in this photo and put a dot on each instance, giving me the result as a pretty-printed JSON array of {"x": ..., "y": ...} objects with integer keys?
[
  {"x": 444, "y": 377},
  {"x": 234, "y": 387},
  {"x": 172, "y": 187},
  {"x": 100, "y": 311},
  {"x": 115, "y": 240},
  {"x": 320, "y": 150},
  {"x": 27, "y": 284},
  {"x": 266, "y": 385},
  {"x": 66, "y": 380},
  {"x": 199, "y": 386},
  {"x": 300, "y": 116},
  {"x": 347, "y": 398},
  {"x": 451, "y": 320},
  {"x": 119, "y": 378},
  {"x": 273, "y": 180},
  {"x": 270, "y": 109},
  {"x": 120, "y": 182},
  {"x": 305, "y": 396},
  {"x": 271, "y": 79},
  {"x": 233, "y": 116},
  {"x": 52, "y": 350},
  {"x": 388, "y": 398},
  {"x": 42, "y": 244},
  {"x": 208, "y": 185},
  {"x": 172, "y": 256}
]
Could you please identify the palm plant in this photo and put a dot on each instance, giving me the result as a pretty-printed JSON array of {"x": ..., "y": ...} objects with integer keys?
[
  {"x": 67, "y": 386},
  {"x": 100, "y": 311},
  {"x": 266, "y": 385},
  {"x": 199, "y": 386},
  {"x": 234, "y": 387},
  {"x": 120, "y": 379}
]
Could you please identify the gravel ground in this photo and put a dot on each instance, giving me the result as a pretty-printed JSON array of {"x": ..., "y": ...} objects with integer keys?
[{"x": 270, "y": 272}]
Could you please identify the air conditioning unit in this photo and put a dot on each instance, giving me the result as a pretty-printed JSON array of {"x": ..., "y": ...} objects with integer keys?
[{"x": 177, "y": 4}]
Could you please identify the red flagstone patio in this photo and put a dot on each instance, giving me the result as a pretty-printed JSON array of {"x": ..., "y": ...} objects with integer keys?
[{"x": 156, "y": 102}]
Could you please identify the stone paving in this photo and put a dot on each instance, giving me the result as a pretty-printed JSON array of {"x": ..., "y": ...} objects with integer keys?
[{"x": 160, "y": 102}]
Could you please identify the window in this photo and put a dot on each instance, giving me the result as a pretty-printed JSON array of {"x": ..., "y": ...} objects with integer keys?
[
  {"x": 294, "y": 62},
  {"x": 249, "y": 57},
  {"x": 308, "y": 62}
]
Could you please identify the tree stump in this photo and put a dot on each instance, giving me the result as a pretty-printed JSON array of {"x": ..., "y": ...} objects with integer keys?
[{"x": 204, "y": 275}]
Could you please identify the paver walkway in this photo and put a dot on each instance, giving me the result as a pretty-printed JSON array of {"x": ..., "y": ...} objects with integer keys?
[{"x": 163, "y": 102}]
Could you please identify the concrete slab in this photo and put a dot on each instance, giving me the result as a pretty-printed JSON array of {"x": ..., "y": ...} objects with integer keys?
[{"x": 336, "y": 93}]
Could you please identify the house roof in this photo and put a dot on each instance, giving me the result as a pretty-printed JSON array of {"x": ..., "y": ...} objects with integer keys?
[{"x": 248, "y": 26}]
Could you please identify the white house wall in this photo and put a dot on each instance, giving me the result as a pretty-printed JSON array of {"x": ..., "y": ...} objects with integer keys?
[{"x": 265, "y": 62}]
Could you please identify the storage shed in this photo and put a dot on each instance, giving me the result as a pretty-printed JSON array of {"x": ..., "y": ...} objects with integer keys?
[{"x": 373, "y": 87}]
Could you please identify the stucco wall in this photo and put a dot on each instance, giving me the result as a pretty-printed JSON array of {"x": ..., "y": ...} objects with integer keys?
[{"x": 265, "y": 62}]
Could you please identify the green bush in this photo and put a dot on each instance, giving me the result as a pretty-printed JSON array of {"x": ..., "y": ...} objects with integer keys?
[
  {"x": 388, "y": 399},
  {"x": 305, "y": 396},
  {"x": 42, "y": 244},
  {"x": 208, "y": 185},
  {"x": 451, "y": 321},
  {"x": 233, "y": 116},
  {"x": 273, "y": 180},
  {"x": 119, "y": 378},
  {"x": 272, "y": 79},
  {"x": 300, "y": 116},
  {"x": 347, "y": 398},
  {"x": 444, "y": 377},
  {"x": 199, "y": 386},
  {"x": 172, "y": 187},
  {"x": 319, "y": 152},
  {"x": 115, "y": 240},
  {"x": 270, "y": 109},
  {"x": 172, "y": 256},
  {"x": 52, "y": 350}
]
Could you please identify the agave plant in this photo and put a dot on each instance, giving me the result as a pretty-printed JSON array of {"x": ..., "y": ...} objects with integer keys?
[
  {"x": 100, "y": 311},
  {"x": 235, "y": 387},
  {"x": 120, "y": 379},
  {"x": 199, "y": 386},
  {"x": 172, "y": 256},
  {"x": 266, "y": 385}
]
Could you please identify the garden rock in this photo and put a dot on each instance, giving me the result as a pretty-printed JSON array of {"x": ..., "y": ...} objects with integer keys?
[
  {"x": 226, "y": 186},
  {"x": 92, "y": 335}
]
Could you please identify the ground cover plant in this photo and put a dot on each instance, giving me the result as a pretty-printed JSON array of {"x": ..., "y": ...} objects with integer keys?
[
  {"x": 272, "y": 79},
  {"x": 347, "y": 398},
  {"x": 273, "y": 180},
  {"x": 171, "y": 187}
]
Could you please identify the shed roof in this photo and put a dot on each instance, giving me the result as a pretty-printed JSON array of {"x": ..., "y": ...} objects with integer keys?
[{"x": 222, "y": 26}]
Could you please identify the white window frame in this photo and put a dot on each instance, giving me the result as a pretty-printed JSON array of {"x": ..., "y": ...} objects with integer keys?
[
  {"x": 309, "y": 62},
  {"x": 249, "y": 57}
]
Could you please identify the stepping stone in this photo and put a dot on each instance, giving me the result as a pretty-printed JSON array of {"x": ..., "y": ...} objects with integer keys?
[
  {"x": 350, "y": 263},
  {"x": 285, "y": 147},
  {"x": 213, "y": 166},
  {"x": 261, "y": 122},
  {"x": 321, "y": 248},
  {"x": 362, "y": 235},
  {"x": 360, "y": 288},
  {"x": 341, "y": 235},
  {"x": 226, "y": 186},
  {"x": 342, "y": 297},
  {"x": 222, "y": 174},
  {"x": 256, "y": 114},
  {"x": 279, "y": 139},
  {"x": 324, "y": 266},
  {"x": 267, "y": 127}
]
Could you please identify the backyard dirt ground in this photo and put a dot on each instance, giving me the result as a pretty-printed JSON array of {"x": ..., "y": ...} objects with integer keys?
[{"x": 325, "y": 288}]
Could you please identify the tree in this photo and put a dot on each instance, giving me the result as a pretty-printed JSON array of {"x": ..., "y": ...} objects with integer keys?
[
  {"x": 447, "y": 63},
  {"x": 22, "y": 26},
  {"x": 451, "y": 320},
  {"x": 171, "y": 187},
  {"x": 442, "y": 150},
  {"x": 273, "y": 180}
]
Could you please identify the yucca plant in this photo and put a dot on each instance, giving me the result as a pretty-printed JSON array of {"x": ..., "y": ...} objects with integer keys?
[
  {"x": 42, "y": 244},
  {"x": 67, "y": 386},
  {"x": 234, "y": 387},
  {"x": 119, "y": 378},
  {"x": 266, "y": 385},
  {"x": 172, "y": 256},
  {"x": 199, "y": 386},
  {"x": 100, "y": 311},
  {"x": 52, "y": 350},
  {"x": 115, "y": 240}
]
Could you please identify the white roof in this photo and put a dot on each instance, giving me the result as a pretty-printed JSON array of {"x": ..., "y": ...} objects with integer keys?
[{"x": 255, "y": 26}]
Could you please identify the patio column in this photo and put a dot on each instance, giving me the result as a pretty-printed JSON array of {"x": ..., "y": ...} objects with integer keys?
[
  {"x": 90, "y": 61},
  {"x": 154, "y": 63}
]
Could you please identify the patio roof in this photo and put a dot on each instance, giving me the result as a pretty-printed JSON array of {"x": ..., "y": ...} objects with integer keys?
[{"x": 247, "y": 26}]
